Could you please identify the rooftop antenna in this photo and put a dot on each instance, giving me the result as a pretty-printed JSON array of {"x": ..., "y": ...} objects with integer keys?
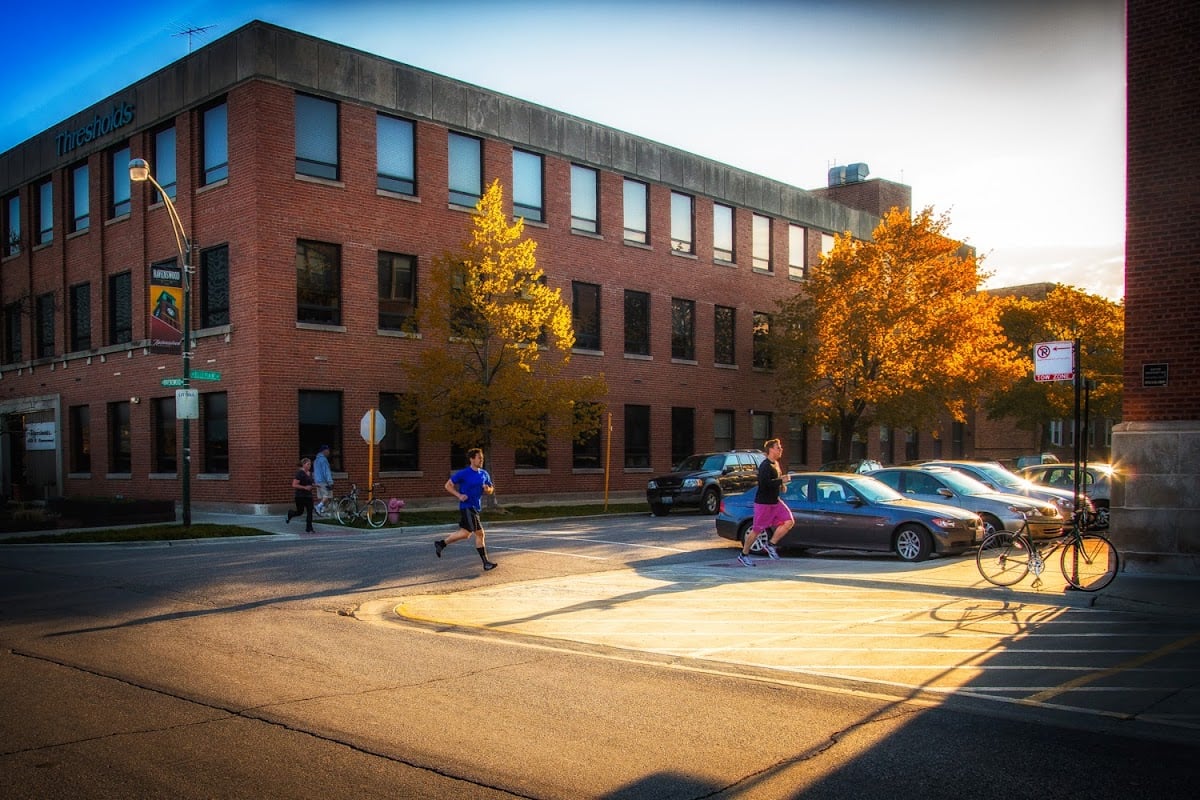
[{"x": 190, "y": 31}]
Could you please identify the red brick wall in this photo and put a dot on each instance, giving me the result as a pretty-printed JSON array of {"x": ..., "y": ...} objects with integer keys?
[{"x": 1162, "y": 238}]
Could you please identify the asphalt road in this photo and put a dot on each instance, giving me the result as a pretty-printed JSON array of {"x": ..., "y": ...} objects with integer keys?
[{"x": 610, "y": 658}]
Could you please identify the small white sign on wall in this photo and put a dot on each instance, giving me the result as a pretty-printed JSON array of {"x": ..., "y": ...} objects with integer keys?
[{"x": 40, "y": 436}]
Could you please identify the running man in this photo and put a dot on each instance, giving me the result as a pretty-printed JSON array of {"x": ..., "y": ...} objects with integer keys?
[
  {"x": 769, "y": 510},
  {"x": 469, "y": 485}
]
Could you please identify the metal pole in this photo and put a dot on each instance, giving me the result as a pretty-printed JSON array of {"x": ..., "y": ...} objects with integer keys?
[{"x": 187, "y": 381}]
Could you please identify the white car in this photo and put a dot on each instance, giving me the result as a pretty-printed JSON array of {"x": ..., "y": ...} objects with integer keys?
[
  {"x": 1097, "y": 483},
  {"x": 999, "y": 479}
]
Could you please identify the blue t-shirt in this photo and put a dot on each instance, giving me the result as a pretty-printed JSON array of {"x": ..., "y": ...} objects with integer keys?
[{"x": 470, "y": 481}]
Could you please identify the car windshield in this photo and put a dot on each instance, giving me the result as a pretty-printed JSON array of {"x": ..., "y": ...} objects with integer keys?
[
  {"x": 710, "y": 463},
  {"x": 1001, "y": 476},
  {"x": 874, "y": 489},
  {"x": 963, "y": 484}
]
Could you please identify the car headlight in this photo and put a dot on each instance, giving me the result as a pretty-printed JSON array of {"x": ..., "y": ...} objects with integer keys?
[
  {"x": 691, "y": 483},
  {"x": 1065, "y": 504},
  {"x": 652, "y": 485},
  {"x": 944, "y": 522}
]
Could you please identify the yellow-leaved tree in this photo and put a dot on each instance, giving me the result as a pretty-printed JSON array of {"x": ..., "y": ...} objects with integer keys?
[
  {"x": 1064, "y": 314},
  {"x": 891, "y": 331},
  {"x": 501, "y": 340}
]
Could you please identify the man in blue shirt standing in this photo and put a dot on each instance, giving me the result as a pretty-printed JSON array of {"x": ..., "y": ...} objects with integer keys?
[
  {"x": 322, "y": 478},
  {"x": 469, "y": 485}
]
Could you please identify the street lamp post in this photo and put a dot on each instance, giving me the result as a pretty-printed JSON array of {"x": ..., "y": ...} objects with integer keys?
[{"x": 139, "y": 170}]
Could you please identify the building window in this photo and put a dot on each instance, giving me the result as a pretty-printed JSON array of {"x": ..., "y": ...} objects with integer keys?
[
  {"x": 585, "y": 315},
  {"x": 681, "y": 223},
  {"x": 533, "y": 456},
  {"x": 829, "y": 445},
  {"x": 585, "y": 452},
  {"x": 762, "y": 341},
  {"x": 318, "y": 283},
  {"x": 722, "y": 233},
  {"x": 527, "y": 186},
  {"x": 827, "y": 242},
  {"x": 44, "y": 323},
  {"x": 215, "y": 134},
  {"x": 912, "y": 445},
  {"x": 466, "y": 170},
  {"x": 585, "y": 199},
  {"x": 637, "y": 437},
  {"x": 797, "y": 442},
  {"x": 316, "y": 137},
  {"x": 118, "y": 182},
  {"x": 761, "y": 242},
  {"x": 637, "y": 212},
  {"x": 397, "y": 291},
  {"x": 214, "y": 287},
  {"x": 725, "y": 335},
  {"x": 683, "y": 433},
  {"x": 637, "y": 323},
  {"x": 80, "y": 420},
  {"x": 399, "y": 450},
  {"x": 45, "y": 209},
  {"x": 683, "y": 329},
  {"x": 165, "y": 456},
  {"x": 320, "y": 422},
  {"x": 12, "y": 333},
  {"x": 80, "y": 219},
  {"x": 214, "y": 408},
  {"x": 120, "y": 449},
  {"x": 723, "y": 429},
  {"x": 165, "y": 170},
  {"x": 12, "y": 225},
  {"x": 120, "y": 308},
  {"x": 887, "y": 449},
  {"x": 395, "y": 155},
  {"x": 80, "y": 312},
  {"x": 762, "y": 427},
  {"x": 1056, "y": 432},
  {"x": 797, "y": 242}
]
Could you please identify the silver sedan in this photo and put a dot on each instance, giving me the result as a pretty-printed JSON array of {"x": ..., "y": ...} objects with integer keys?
[{"x": 998, "y": 510}]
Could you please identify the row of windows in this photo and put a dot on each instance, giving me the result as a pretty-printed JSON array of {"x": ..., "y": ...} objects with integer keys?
[
  {"x": 214, "y": 310},
  {"x": 214, "y": 167}
]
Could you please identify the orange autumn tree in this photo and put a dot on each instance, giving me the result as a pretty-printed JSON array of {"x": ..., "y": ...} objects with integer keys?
[
  {"x": 1064, "y": 314},
  {"x": 501, "y": 342},
  {"x": 891, "y": 331}
]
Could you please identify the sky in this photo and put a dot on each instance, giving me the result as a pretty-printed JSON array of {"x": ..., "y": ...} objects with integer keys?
[{"x": 1007, "y": 116}]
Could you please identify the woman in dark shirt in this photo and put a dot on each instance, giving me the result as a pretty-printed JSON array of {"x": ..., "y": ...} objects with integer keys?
[{"x": 302, "y": 482}]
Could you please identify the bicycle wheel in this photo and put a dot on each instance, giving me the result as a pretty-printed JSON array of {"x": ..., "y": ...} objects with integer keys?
[
  {"x": 1090, "y": 563},
  {"x": 346, "y": 510},
  {"x": 1003, "y": 558},
  {"x": 376, "y": 513}
]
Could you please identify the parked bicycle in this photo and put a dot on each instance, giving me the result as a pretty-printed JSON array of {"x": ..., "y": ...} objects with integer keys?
[
  {"x": 374, "y": 511},
  {"x": 1089, "y": 561}
]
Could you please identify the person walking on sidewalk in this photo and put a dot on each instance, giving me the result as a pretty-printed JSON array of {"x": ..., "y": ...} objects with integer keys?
[
  {"x": 769, "y": 510},
  {"x": 469, "y": 485},
  {"x": 323, "y": 478},
  {"x": 302, "y": 483}
]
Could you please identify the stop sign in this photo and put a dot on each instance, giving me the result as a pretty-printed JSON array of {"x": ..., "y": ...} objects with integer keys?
[{"x": 364, "y": 427}]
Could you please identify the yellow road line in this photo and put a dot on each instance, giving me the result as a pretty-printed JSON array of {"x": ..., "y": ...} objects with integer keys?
[{"x": 1075, "y": 683}]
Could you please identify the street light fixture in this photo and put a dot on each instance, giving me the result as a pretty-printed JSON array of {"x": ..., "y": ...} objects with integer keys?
[{"x": 139, "y": 170}]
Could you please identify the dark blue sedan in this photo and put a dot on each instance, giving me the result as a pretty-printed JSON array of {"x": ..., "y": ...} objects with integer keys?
[{"x": 857, "y": 512}]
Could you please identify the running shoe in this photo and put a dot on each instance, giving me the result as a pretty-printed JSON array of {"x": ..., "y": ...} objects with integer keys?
[
  {"x": 489, "y": 565},
  {"x": 769, "y": 549},
  {"x": 439, "y": 546},
  {"x": 745, "y": 560}
]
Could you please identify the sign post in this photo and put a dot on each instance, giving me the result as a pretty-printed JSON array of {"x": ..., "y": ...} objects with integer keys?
[{"x": 372, "y": 427}]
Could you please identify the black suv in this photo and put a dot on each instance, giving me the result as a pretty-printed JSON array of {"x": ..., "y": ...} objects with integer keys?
[{"x": 703, "y": 479}]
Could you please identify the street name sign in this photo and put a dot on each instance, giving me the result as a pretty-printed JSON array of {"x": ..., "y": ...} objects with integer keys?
[
  {"x": 172, "y": 382},
  {"x": 205, "y": 375}
]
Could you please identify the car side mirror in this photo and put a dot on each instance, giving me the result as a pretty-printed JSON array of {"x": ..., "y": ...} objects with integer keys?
[
  {"x": 944, "y": 492},
  {"x": 854, "y": 500}
]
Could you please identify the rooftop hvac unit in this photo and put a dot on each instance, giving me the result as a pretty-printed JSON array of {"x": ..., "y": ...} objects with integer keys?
[{"x": 854, "y": 173}]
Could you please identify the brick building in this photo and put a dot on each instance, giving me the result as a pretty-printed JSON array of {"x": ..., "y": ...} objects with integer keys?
[
  {"x": 1158, "y": 444},
  {"x": 316, "y": 183}
]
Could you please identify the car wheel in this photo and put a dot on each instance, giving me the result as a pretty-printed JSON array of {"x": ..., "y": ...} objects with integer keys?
[
  {"x": 912, "y": 543},
  {"x": 710, "y": 502},
  {"x": 659, "y": 510},
  {"x": 990, "y": 525},
  {"x": 1101, "y": 516},
  {"x": 743, "y": 532}
]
